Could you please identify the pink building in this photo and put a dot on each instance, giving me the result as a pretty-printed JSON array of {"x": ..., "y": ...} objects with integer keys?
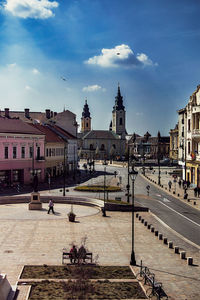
[{"x": 21, "y": 152}]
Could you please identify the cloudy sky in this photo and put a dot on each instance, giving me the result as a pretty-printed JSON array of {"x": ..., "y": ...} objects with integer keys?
[{"x": 55, "y": 54}]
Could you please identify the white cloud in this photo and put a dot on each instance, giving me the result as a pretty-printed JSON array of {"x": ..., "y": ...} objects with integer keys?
[
  {"x": 36, "y": 9},
  {"x": 93, "y": 88},
  {"x": 139, "y": 114},
  {"x": 121, "y": 55},
  {"x": 35, "y": 71},
  {"x": 28, "y": 88},
  {"x": 11, "y": 65}
]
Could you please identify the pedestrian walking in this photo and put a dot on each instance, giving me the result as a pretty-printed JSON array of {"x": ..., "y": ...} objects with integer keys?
[
  {"x": 198, "y": 191},
  {"x": 179, "y": 183},
  {"x": 195, "y": 191},
  {"x": 170, "y": 185},
  {"x": 51, "y": 205}
]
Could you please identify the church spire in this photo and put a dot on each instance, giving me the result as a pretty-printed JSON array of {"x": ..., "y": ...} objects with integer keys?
[
  {"x": 86, "y": 112},
  {"x": 118, "y": 100}
]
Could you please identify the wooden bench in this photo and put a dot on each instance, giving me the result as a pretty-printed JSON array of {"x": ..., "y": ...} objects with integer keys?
[{"x": 68, "y": 255}]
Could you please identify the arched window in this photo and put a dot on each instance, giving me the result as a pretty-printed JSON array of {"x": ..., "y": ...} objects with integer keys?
[
  {"x": 102, "y": 147},
  {"x": 120, "y": 121},
  {"x": 91, "y": 147},
  {"x": 114, "y": 146}
]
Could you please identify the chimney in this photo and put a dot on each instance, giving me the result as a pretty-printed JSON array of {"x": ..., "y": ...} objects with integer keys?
[
  {"x": 51, "y": 114},
  {"x": 26, "y": 110},
  {"x": 55, "y": 114},
  {"x": 7, "y": 112},
  {"x": 48, "y": 113}
]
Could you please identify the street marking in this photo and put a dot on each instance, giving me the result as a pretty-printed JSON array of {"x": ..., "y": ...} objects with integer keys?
[
  {"x": 180, "y": 214},
  {"x": 158, "y": 195},
  {"x": 166, "y": 200}
]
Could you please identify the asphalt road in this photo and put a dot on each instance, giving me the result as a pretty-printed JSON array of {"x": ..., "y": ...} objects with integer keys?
[{"x": 173, "y": 212}]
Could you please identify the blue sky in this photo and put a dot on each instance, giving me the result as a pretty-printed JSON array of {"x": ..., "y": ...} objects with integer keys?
[{"x": 151, "y": 47}]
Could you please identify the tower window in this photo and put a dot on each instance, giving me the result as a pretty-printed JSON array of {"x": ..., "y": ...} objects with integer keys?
[
  {"x": 102, "y": 147},
  {"x": 86, "y": 124},
  {"x": 120, "y": 121},
  {"x": 91, "y": 147}
]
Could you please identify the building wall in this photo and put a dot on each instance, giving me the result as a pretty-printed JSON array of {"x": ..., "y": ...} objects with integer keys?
[
  {"x": 67, "y": 121},
  {"x": 26, "y": 164}
]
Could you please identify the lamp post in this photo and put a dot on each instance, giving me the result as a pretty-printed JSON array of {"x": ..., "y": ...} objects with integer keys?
[
  {"x": 133, "y": 175},
  {"x": 158, "y": 156},
  {"x": 64, "y": 169},
  {"x": 128, "y": 183},
  {"x": 104, "y": 190}
]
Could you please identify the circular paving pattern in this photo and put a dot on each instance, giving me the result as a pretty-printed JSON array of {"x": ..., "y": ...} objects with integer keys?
[{"x": 21, "y": 211}]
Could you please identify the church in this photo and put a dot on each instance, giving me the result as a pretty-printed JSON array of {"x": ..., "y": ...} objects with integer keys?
[{"x": 103, "y": 144}]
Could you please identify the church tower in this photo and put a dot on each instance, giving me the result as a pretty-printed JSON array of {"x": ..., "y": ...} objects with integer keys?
[
  {"x": 119, "y": 115},
  {"x": 86, "y": 119}
]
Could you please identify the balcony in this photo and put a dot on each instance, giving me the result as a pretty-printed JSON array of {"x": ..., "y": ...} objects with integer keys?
[{"x": 196, "y": 133}]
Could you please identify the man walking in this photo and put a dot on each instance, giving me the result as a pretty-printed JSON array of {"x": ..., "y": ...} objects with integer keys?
[{"x": 51, "y": 205}]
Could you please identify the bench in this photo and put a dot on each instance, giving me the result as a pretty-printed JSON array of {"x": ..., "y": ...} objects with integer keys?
[
  {"x": 68, "y": 255},
  {"x": 156, "y": 286}
]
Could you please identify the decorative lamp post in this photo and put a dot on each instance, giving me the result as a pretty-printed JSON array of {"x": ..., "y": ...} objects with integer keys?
[
  {"x": 64, "y": 170},
  {"x": 158, "y": 156},
  {"x": 133, "y": 175},
  {"x": 104, "y": 197}
]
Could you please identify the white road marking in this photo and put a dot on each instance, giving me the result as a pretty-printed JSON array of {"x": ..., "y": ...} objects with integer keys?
[
  {"x": 166, "y": 200},
  {"x": 180, "y": 214},
  {"x": 158, "y": 195}
]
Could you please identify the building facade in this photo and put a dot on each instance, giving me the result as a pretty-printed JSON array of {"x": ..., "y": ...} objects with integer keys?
[
  {"x": 174, "y": 143},
  {"x": 21, "y": 152}
]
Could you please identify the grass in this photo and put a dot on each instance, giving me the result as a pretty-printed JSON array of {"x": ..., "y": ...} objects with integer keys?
[
  {"x": 97, "y": 188},
  {"x": 68, "y": 271},
  {"x": 86, "y": 289}
]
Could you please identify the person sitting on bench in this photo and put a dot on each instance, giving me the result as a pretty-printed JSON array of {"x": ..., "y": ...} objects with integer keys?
[
  {"x": 82, "y": 254},
  {"x": 73, "y": 254}
]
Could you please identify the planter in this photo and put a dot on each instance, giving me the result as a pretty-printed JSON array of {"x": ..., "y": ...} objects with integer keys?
[{"x": 71, "y": 217}]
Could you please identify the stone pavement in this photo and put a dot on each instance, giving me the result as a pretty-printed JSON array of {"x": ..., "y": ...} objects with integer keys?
[
  {"x": 33, "y": 237},
  {"x": 175, "y": 189}
]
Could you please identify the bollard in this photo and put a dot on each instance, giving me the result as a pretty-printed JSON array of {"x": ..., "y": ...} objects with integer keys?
[
  {"x": 176, "y": 249},
  {"x": 137, "y": 215},
  {"x": 149, "y": 226},
  {"x": 139, "y": 218},
  {"x": 145, "y": 223},
  {"x": 156, "y": 233},
  {"x": 142, "y": 220},
  {"x": 160, "y": 236},
  {"x": 170, "y": 245},
  {"x": 152, "y": 229},
  {"x": 190, "y": 261},
  {"x": 165, "y": 240},
  {"x": 182, "y": 254}
]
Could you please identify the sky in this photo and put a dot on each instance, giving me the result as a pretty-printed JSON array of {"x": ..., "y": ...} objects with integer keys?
[{"x": 56, "y": 54}]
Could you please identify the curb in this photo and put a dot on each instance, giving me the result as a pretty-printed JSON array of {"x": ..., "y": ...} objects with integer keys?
[{"x": 159, "y": 235}]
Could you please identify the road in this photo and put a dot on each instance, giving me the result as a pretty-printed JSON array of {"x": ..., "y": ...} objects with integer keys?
[{"x": 176, "y": 214}]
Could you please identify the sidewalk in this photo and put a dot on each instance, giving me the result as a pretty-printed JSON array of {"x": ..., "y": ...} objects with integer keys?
[
  {"x": 175, "y": 191},
  {"x": 38, "y": 238}
]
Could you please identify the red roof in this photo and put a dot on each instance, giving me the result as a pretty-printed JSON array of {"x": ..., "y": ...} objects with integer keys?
[
  {"x": 17, "y": 126},
  {"x": 50, "y": 136}
]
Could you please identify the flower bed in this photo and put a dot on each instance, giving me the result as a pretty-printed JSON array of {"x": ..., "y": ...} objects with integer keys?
[
  {"x": 97, "y": 188},
  {"x": 66, "y": 272}
]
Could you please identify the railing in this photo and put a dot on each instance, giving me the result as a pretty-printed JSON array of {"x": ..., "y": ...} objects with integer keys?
[{"x": 156, "y": 288}]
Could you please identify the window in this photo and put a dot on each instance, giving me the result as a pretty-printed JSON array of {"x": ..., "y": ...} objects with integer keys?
[
  {"x": 14, "y": 152},
  {"x": 189, "y": 125},
  {"x": 120, "y": 121},
  {"x": 188, "y": 147},
  {"x": 102, "y": 147},
  {"x": 23, "y": 152},
  {"x": 47, "y": 152},
  {"x": 30, "y": 152},
  {"x": 86, "y": 124},
  {"x": 6, "y": 152},
  {"x": 91, "y": 147},
  {"x": 38, "y": 152}
]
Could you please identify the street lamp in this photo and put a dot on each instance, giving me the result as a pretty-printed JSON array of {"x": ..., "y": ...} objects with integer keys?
[
  {"x": 104, "y": 185},
  {"x": 64, "y": 169},
  {"x": 158, "y": 156},
  {"x": 133, "y": 175}
]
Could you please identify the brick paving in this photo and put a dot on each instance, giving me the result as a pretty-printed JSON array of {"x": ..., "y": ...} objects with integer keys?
[{"x": 38, "y": 238}]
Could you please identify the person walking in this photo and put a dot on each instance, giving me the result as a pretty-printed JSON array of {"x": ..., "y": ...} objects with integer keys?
[
  {"x": 195, "y": 191},
  {"x": 170, "y": 185},
  {"x": 51, "y": 205}
]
